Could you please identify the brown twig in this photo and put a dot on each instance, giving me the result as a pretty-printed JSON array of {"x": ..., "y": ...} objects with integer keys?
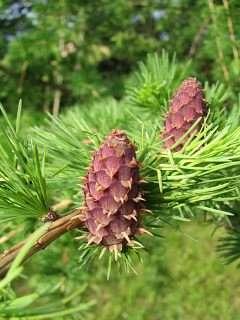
[
  {"x": 218, "y": 40},
  {"x": 22, "y": 77},
  {"x": 15, "y": 74},
  {"x": 231, "y": 31},
  {"x": 8, "y": 236},
  {"x": 63, "y": 204},
  {"x": 56, "y": 102},
  {"x": 198, "y": 38},
  {"x": 56, "y": 230}
]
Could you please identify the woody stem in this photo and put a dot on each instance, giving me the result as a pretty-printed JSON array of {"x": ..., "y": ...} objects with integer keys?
[{"x": 55, "y": 230}]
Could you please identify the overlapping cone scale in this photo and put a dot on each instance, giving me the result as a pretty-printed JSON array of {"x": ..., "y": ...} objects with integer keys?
[
  {"x": 187, "y": 108},
  {"x": 113, "y": 200}
]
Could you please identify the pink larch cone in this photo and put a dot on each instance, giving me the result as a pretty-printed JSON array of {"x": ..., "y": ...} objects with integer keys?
[
  {"x": 113, "y": 200},
  {"x": 187, "y": 107}
]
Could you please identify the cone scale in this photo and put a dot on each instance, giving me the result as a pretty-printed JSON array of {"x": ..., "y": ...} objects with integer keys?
[
  {"x": 187, "y": 108},
  {"x": 113, "y": 200}
]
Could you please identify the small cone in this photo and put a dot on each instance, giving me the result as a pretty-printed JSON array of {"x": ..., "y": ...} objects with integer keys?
[
  {"x": 187, "y": 107},
  {"x": 113, "y": 200}
]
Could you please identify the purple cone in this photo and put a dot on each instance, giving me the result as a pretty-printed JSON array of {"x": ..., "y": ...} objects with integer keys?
[
  {"x": 113, "y": 200},
  {"x": 187, "y": 107}
]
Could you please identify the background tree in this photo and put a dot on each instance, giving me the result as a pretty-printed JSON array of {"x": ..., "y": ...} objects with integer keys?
[{"x": 68, "y": 52}]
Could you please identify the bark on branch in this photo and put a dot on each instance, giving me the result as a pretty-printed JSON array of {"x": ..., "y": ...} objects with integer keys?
[{"x": 55, "y": 230}]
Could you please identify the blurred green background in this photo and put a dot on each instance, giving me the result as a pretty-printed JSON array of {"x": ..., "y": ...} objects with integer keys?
[{"x": 59, "y": 54}]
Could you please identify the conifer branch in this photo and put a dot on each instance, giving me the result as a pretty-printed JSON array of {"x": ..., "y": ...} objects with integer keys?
[{"x": 55, "y": 230}]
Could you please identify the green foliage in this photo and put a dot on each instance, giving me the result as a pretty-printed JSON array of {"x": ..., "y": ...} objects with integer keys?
[
  {"x": 62, "y": 53},
  {"x": 76, "y": 49},
  {"x": 152, "y": 84},
  {"x": 201, "y": 179},
  {"x": 23, "y": 192},
  {"x": 32, "y": 306},
  {"x": 229, "y": 246},
  {"x": 183, "y": 278}
]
